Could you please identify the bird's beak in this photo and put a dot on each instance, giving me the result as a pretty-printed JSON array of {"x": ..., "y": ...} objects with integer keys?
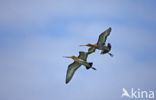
[
  {"x": 84, "y": 45},
  {"x": 67, "y": 56}
]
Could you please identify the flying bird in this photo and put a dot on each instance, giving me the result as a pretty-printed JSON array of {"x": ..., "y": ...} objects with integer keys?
[
  {"x": 78, "y": 61},
  {"x": 101, "y": 44}
]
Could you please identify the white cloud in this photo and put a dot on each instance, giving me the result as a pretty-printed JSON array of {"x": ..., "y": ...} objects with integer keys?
[{"x": 40, "y": 12}]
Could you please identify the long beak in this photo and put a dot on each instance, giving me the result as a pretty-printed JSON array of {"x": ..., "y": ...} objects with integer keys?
[
  {"x": 83, "y": 45},
  {"x": 67, "y": 56}
]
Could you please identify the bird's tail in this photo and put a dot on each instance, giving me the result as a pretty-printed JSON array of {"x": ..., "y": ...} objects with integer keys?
[
  {"x": 90, "y": 63},
  {"x": 91, "y": 66},
  {"x": 111, "y": 54}
]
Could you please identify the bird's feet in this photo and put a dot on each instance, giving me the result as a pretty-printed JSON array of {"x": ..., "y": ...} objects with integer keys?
[
  {"x": 111, "y": 54},
  {"x": 93, "y": 68},
  {"x": 90, "y": 67}
]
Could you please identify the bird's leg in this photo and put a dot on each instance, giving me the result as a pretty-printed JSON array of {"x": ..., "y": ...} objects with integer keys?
[
  {"x": 93, "y": 68},
  {"x": 111, "y": 54},
  {"x": 90, "y": 67}
]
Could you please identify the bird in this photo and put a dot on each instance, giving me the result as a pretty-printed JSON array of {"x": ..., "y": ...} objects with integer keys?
[
  {"x": 101, "y": 45},
  {"x": 78, "y": 61}
]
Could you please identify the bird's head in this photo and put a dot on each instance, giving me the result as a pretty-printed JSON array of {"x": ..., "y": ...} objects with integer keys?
[
  {"x": 109, "y": 45},
  {"x": 72, "y": 57}
]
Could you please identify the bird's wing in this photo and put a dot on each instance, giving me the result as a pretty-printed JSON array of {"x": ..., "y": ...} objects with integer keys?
[
  {"x": 103, "y": 37},
  {"x": 71, "y": 70},
  {"x": 91, "y": 50},
  {"x": 83, "y": 55}
]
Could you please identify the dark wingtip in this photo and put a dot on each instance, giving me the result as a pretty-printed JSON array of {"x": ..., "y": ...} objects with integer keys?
[
  {"x": 67, "y": 81},
  {"x": 110, "y": 29}
]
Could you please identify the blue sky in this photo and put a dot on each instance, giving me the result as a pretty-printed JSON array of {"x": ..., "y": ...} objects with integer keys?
[{"x": 36, "y": 34}]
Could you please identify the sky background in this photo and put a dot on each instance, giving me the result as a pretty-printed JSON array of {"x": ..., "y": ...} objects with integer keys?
[{"x": 36, "y": 34}]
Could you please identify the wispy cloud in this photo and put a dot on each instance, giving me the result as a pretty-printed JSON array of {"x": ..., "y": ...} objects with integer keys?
[{"x": 27, "y": 14}]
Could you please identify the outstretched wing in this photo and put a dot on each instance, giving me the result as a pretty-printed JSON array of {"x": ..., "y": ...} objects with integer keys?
[
  {"x": 103, "y": 37},
  {"x": 91, "y": 50},
  {"x": 83, "y": 55},
  {"x": 71, "y": 70}
]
